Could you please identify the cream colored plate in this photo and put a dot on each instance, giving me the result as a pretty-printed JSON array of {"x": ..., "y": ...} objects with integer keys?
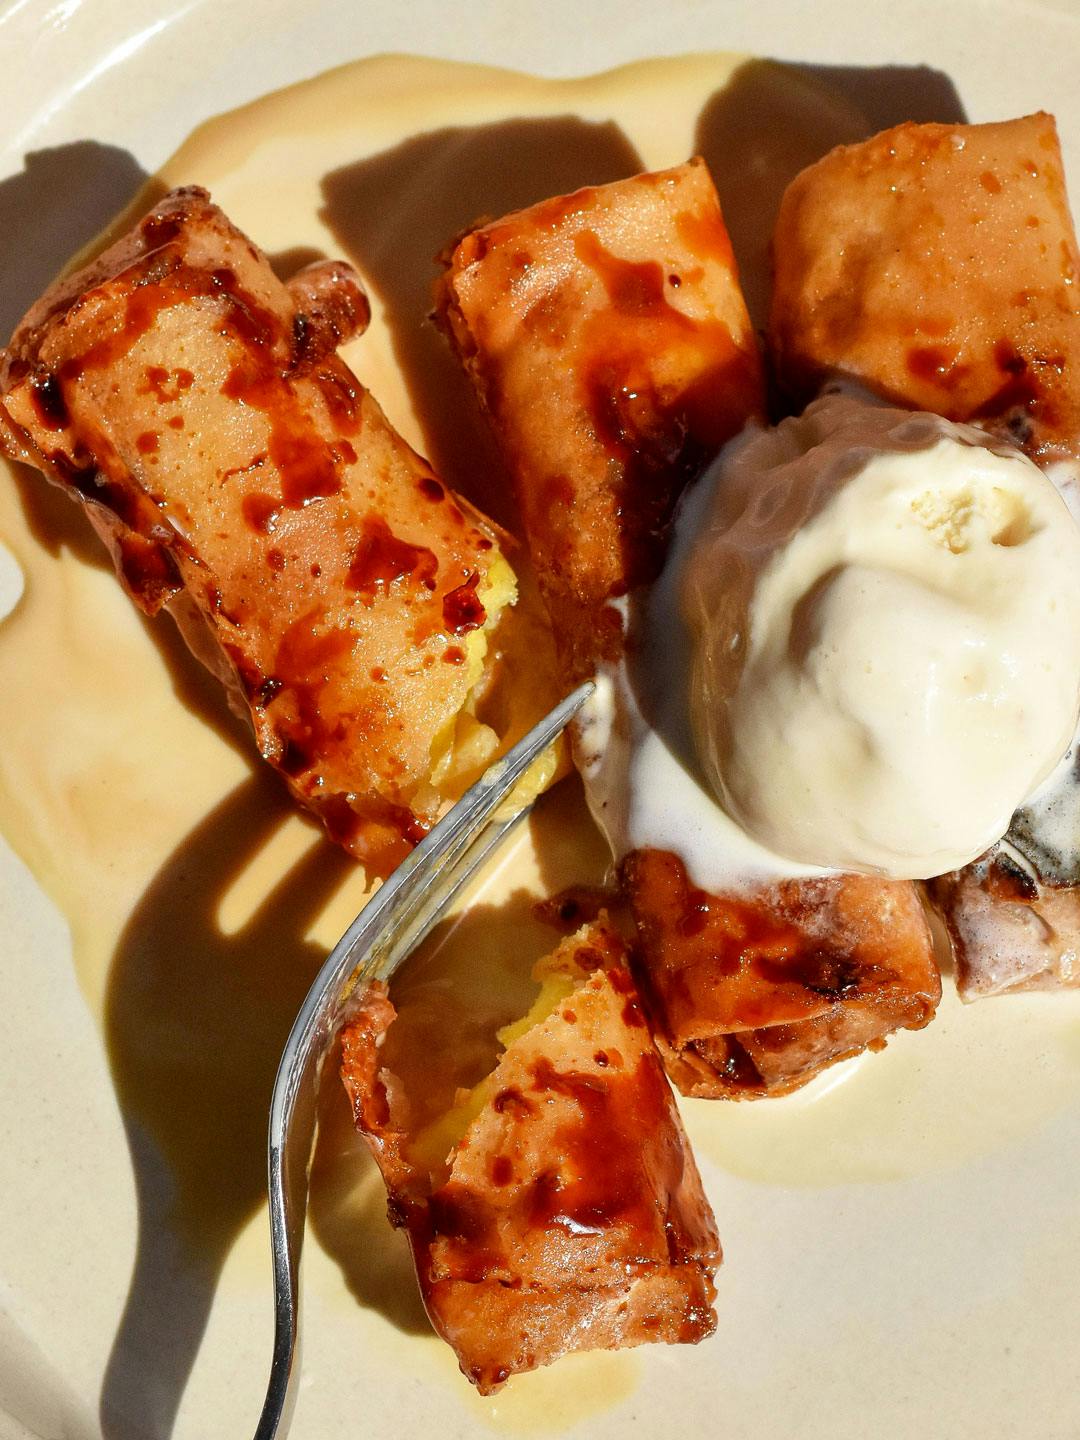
[{"x": 902, "y": 1241}]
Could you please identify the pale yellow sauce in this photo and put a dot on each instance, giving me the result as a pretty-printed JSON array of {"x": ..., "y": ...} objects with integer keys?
[{"x": 200, "y": 905}]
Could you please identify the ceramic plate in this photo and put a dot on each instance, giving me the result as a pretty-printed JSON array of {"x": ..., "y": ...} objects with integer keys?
[{"x": 901, "y": 1240}]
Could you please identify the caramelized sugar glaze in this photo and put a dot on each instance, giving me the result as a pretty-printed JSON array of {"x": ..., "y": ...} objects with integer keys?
[{"x": 973, "y": 316}]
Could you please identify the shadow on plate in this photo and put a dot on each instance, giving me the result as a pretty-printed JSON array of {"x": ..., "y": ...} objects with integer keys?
[
  {"x": 888, "y": 95},
  {"x": 195, "y": 1023},
  {"x": 395, "y": 212},
  {"x": 760, "y": 129},
  {"x": 286, "y": 263},
  {"x": 57, "y": 523},
  {"x": 56, "y": 204}
]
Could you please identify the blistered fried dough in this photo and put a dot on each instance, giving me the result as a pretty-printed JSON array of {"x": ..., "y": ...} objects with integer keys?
[
  {"x": 242, "y": 477},
  {"x": 561, "y": 1209},
  {"x": 754, "y": 995},
  {"x": 937, "y": 264},
  {"x": 1010, "y": 930},
  {"x": 606, "y": 335}
]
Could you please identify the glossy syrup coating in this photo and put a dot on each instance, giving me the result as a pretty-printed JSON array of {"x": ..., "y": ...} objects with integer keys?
[
  {"x": 938, "y": 265},
  {"x": 570, "y": 1214},
  {"x": 241, "y": 476},
  {"x": 607, "y": 338},
  {"x": 755, "y": 994}
]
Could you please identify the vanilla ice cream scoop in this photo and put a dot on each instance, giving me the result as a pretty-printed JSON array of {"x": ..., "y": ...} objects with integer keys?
[{"x": 885, "y": 620}]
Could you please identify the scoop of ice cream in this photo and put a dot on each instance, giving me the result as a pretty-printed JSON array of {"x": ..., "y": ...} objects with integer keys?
[{"x": 885, "y": 611}]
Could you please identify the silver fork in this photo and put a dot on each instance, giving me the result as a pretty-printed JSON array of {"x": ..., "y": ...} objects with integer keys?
[{"x": 389, "y": 927}]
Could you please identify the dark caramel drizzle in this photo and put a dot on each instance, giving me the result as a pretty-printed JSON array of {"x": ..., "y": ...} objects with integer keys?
[
  {"x": 1007, "y": 881},
  {"x": 261, "y": 512},
  {"x": 375, "y": 829},
  {"x": 304, "y": 461},
  {"x": 573, "y": 907},
  {"x": 462, "y": 608},
  {"x": 1022, "y": 398},
  {"x": 736, "y": 936},
  {"x": 47, "y": 394},
  {"x": 832, "y": 976},
  {"x": 382, "y": 560},
  {"x": 614, "y": 1165},
  {"x": 158, "y": 383},
  {"x": 306, "y": 656},
  {"x": 736, "y": 1067},
  {"x": 659, "y": 439}
]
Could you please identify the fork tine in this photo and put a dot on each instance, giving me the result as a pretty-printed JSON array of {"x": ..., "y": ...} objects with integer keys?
[
  {"x": 374, "y": 929},
  {"x": 392, "y": 923},
  {"x": 429, "y": 908}
]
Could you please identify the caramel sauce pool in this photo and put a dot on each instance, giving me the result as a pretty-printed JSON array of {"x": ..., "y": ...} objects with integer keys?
[{"x": 200, "y": 904}]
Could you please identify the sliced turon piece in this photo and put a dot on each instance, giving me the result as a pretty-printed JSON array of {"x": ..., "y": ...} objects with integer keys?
[{"x": 554, "y": 1205}]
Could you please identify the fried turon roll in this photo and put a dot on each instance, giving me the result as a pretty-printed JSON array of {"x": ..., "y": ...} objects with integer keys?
[
  {"x": 242, "y": 478},
  {"x": 756, "y": 994},
  {"x": 938, "y": 265},
  {"x": 608, "y": 340},
  {"x": 1013, "y": 916},
  {"x": 1010, "y": 929},
  {"x": 556, "y": 1207},
  {"x": 610, "y": 385}
]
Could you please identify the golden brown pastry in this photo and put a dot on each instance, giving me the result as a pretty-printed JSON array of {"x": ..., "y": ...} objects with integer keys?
[
  {"x": 754, "y": 995},
  {"x": 608, "y": 340},
  {"x": 938, "y": 265},
  {"x": 557, "y": 1206},
  {"x": 243, "y": 478}
]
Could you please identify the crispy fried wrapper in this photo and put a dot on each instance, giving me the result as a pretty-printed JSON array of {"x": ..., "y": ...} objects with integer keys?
[
  {"x": 607, "y": 337},
  {"x": 938, "y": 265},
  {"x": 755, "y": 994},
  {"x": 1010, "y": 928},
  {"x": 559, "y": 1207},
  {"x": 242, "y": 478}
]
